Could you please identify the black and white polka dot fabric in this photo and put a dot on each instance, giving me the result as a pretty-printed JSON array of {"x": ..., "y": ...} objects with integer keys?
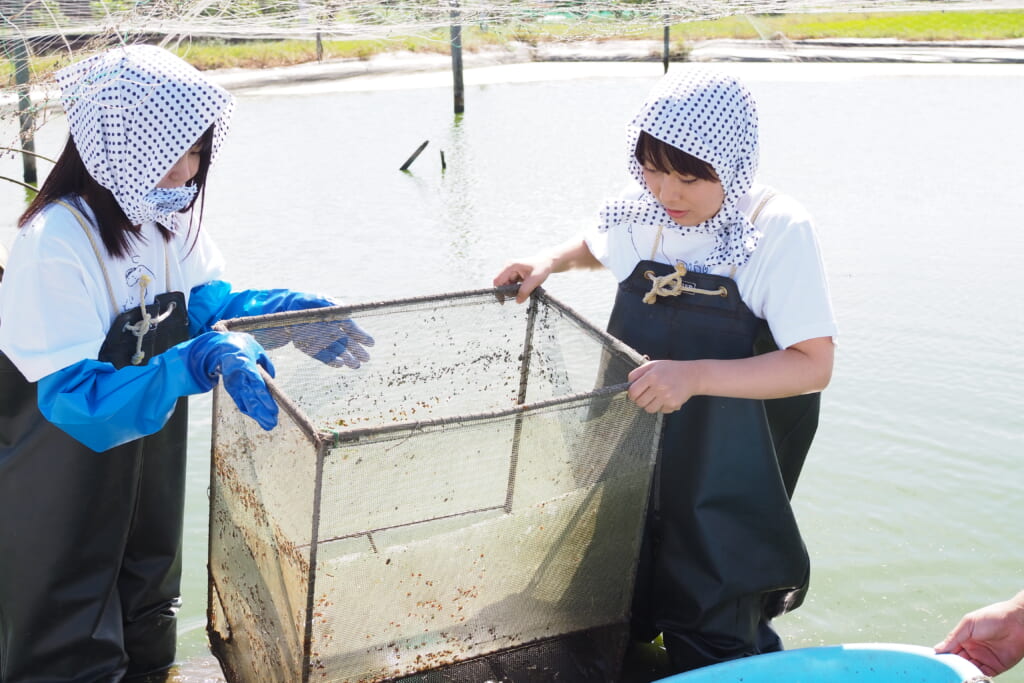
[
  {"x": 710, "y": 116},
  {"x": 133, "y": 111}
]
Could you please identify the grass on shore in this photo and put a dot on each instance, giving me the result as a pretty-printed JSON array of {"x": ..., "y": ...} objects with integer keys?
[{"x": 909, "y": 26}]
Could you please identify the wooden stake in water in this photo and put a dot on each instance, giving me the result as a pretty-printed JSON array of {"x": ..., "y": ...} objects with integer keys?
[
  {"x": 664, "y": 59},
  {"x": 412, "y": 158},
  {"x": 456, "y": 35},
  {"x": 26, "y": 116}
]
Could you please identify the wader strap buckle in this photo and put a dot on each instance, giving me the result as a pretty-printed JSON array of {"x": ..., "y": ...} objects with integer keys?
[
  {"x": 673, "y": 285},
  {"x": 148, "y": 322}
]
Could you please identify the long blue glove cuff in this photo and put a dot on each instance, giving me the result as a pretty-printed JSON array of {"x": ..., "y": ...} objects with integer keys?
[
  {"x": 103, "y": 407},
  {"x": 214, "y": 301},
  {"x": 338, "y": 344}
]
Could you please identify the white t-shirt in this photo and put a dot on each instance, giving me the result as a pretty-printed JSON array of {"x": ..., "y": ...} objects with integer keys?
[
  {"x": 784, "y": 281},
  {"x": 55, "y": 309}
]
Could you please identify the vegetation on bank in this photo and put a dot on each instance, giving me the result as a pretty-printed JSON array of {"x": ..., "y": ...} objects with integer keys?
[{"x": 909, "y": 26}]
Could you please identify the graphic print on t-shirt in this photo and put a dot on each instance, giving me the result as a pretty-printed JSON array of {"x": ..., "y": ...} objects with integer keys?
[{"x": 132, "y": 277}]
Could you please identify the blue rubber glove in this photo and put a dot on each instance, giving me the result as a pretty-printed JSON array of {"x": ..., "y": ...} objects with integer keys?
[
  {"x": 214, "y": 301},
  {"x": 234, "y": 356},
  {"x": 338, "y": 344},
  {"x": 103, "y": 407}
]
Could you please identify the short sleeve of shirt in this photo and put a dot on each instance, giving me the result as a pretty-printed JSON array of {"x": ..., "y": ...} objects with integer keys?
[
  {"x": 597, "y": 243},
  {"x": 54, "y": 304},
  {"x": 785, "y": 281},
  {"x": 57, "y": 302}
]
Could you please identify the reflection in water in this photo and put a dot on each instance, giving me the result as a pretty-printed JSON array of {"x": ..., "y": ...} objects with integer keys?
[
  {"x": 446, "y": 187},
  {"x": 458, "y": 212}
]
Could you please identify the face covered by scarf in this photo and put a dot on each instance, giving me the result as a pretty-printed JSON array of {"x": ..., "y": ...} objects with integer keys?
[
  {"x": 712, "y": 117},
  {"x": 133, "y": 112}
]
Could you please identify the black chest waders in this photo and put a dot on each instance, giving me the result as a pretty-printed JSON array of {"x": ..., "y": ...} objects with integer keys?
[
  {"x": 722, "y": 554},
  {"x": 91, "y": 542}
]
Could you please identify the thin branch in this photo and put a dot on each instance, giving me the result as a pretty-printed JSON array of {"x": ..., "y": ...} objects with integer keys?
[
  {"x": 18, "y": 182},
  {"x": 25, "y": 151}
]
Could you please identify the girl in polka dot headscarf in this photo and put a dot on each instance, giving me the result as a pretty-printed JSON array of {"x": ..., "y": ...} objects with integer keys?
[
  {"x": 721, "y": 285},
  {"x": 106, "y": 309}
]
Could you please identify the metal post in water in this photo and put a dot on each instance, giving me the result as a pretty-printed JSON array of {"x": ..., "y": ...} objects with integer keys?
[{"x": 456, "y": 35}]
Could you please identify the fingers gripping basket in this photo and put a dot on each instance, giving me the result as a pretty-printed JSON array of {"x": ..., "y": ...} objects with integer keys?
[{"x": 466, "y": 506}]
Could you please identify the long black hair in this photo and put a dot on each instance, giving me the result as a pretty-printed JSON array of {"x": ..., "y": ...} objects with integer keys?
[
  {"x": 70, "y": 179},
  {"x": 665, "y": 158}
]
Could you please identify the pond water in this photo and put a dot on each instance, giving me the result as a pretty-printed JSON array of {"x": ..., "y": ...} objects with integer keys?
[{"x": 911, "y": 501}]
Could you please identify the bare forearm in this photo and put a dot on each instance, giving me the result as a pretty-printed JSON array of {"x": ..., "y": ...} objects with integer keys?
[
  {"x": 532, "y": 272},
  {"x": 572, "y": 255},
  {"x": 665, "y": 385},
  {"x": 772, "y": 375}
]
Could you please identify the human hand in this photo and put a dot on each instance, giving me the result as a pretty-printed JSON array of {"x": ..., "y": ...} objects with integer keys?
[
  {"x": 338, "y": 343},
  {"x": 991, "y": 638},
  {"x": 663, "y": 386},
  {"x": 234, "y": 356},
  {"x": 530, "y": 274}
]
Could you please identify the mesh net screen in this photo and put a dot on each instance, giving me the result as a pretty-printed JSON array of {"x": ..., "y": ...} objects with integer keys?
[{"x": 466, "y": 505}]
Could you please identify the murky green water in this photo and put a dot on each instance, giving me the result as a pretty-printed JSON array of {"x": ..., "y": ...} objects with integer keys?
[{"x": 911, "y": 502}]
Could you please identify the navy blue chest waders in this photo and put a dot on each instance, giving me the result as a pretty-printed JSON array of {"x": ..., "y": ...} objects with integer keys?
[
  {"x": 722, "y": 554},
  {"x": 90, "y": 544}
]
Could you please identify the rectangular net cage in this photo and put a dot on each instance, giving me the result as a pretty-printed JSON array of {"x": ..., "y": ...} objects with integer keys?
[{"x": 465, "y": 506}]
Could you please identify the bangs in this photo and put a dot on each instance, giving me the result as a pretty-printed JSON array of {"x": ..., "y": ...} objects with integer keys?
[
  {"x": 652, "y": 152},
  {"x": 205, "y": 141}
]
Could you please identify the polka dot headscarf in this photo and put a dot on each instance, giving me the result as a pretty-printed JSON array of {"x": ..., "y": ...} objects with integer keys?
[
  {"x": 713, "y": 117},
  {"x": 133, "y": 112}
]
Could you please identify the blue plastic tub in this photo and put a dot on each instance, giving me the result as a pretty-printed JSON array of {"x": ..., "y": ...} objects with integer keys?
[{"x": 862, "y": 662}]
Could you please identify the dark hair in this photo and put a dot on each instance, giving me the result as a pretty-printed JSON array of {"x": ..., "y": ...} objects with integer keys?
[
  {"x": 665, "y": 158},
  {"x": 69, "y": 178}
]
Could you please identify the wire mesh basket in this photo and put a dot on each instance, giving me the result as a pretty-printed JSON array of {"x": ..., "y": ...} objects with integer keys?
[{"x": 466, "y": 506}]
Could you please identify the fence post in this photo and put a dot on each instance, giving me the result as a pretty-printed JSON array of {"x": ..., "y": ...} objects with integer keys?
[
  {"x": 26, "y": 116},
  {"x": 18, "y": 51},
  {"x": 664, "y": 59},
  {"x": 456, "y": 35}
]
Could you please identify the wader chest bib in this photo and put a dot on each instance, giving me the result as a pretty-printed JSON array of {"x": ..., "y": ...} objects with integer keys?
[
  {"x": 722, "y": 554},
  {"x": 91, "y": 542}
]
